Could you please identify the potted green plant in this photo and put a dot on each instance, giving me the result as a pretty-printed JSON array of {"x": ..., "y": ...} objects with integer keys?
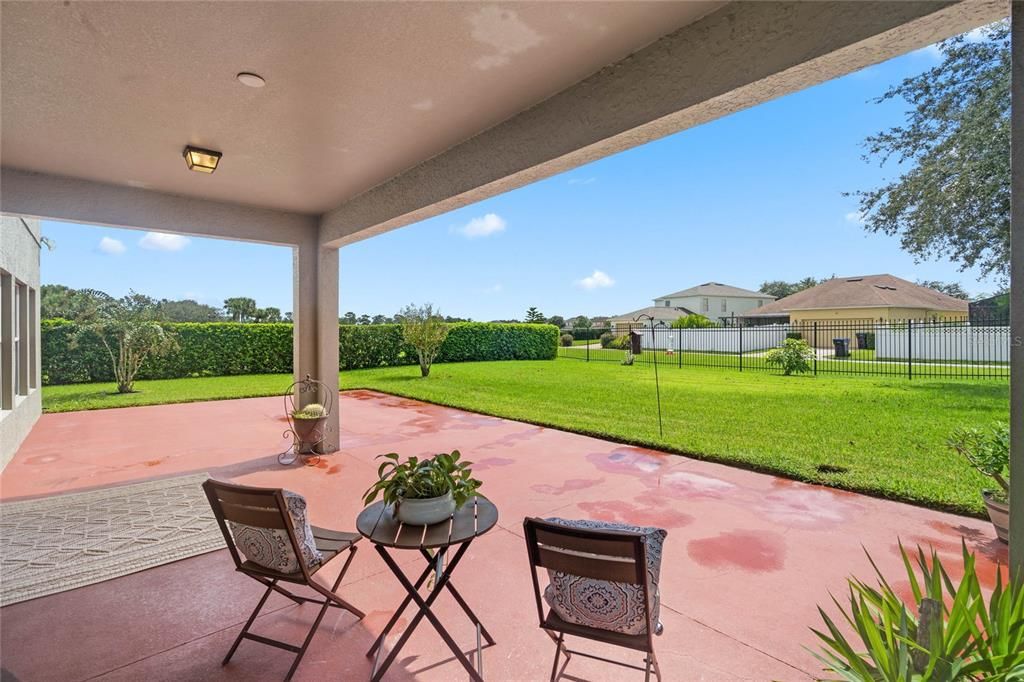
[
  {"x": 308, "y": 422},
  {"x": 423, "y": 491},
  {"x": 988, "y": 451}
]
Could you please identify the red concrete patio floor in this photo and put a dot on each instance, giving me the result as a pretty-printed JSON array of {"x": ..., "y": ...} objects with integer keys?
[{"x": 747, "y": 558}]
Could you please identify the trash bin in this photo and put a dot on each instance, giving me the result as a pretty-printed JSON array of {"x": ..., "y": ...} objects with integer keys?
[
  {"x": 862, "y": 340},
  {"x": 842, "y": 347}
]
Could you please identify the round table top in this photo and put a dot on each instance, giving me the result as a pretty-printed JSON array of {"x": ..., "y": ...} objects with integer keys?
[{"x": 378, "y": 524}]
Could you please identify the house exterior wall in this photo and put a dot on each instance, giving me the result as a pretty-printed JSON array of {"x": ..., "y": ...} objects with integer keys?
[
  {"x": 20, "y": 394},
  {"x": 733, "y": 305},
  {"x": 855, "y": 320}
]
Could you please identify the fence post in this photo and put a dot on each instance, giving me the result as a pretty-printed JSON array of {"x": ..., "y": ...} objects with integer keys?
[
  {"x": 741, "y": 346},
  {"x": 587, "y": 345},
  {"x": 910, "y": 349},
  {"x": 679, "y": 346},
  {"x": 815, "y": 347}
]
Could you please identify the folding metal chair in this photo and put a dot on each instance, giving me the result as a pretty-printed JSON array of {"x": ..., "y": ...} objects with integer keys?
[
  {"x": 266, "y": 508},
  {"x": 605, "y": 555}
]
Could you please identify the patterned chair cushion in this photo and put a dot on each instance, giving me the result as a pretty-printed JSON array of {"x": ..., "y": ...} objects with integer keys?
[
  {"x": 605, "y": 604},
  {"x": 271, "y": 548}
]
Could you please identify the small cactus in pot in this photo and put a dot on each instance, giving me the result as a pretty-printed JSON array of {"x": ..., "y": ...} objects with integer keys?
[{"x": 308, "y": 420}]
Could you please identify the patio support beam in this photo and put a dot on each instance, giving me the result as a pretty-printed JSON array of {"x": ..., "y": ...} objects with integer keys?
[
  {"x": 315, "y": 332},
  {"x": 54, "y": 197},
  {"x": 737, "y": 57},
  {"x": 1017, "y": 289}
]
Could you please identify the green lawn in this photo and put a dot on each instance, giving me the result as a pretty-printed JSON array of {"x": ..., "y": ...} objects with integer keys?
[
  {"x": 160, "y": 391},
  {"x": 887, "y": 433}
]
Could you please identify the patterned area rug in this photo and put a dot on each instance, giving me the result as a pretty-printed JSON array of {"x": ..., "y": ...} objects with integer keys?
[{"x": 59, "y": 543}]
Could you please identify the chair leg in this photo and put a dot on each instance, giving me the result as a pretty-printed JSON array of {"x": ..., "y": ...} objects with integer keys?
[
  {"x": 647, "y": 668},
  {"x": 657, "y": 668},
  {"x": 558, "y": 652},
  {"x": 248, "y": 623}
]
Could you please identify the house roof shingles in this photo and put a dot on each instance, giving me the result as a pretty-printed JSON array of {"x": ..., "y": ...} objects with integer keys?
[
  {"x": 656, "y": 311},
  {"x": 716, "y": 289},
  {"x": 867, "y": 291}
]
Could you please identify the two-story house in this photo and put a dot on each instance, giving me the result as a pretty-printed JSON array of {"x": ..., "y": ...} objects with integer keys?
[{"x": 713, "y": 300}]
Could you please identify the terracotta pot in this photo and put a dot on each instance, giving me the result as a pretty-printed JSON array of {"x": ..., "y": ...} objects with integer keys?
[
  {"x": 309, "y": 431},
  {"x": 426, "y": 512},
  {"x": 999, "y": 514}
]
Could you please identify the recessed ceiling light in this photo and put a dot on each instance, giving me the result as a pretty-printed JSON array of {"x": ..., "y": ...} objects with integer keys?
[
  {"x": 253, "y": 80},
  {"x": 201, "y": 160}
]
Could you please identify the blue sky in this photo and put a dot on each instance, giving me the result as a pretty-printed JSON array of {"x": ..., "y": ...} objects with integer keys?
[{"x": 750, "y": 197}]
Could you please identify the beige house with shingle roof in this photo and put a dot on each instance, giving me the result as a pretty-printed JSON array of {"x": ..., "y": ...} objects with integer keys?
[{"x": 862, "y": 300}]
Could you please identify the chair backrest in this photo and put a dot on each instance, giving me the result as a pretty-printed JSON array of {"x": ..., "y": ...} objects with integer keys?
[
  {"x": 611, "y": 555},
  {"x": 248, "y": 506}
]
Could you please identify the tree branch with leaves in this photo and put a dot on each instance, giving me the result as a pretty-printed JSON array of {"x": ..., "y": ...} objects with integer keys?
[
  {"x": 425, "y": 330},
  {"x": 128, "y": 329}
]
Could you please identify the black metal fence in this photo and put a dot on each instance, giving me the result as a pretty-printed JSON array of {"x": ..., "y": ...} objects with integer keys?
[{"x": 900, "y": 348}]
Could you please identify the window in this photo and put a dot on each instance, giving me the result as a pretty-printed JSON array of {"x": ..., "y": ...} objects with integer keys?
[
  {"x": 668, "y": 303},
  {"x": 725, "y": 305},
  {"x": 760, "y": 303},
  {"x": 20, "y": 301},
  {"x": 704, "y": 305}
]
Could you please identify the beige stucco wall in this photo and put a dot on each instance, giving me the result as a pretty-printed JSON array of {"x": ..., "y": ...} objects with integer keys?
[
  {"x": 19, "y": 264},
  {"x": 846, "y": 322}
]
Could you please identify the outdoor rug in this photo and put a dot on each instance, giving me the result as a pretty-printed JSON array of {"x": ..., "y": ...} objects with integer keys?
[{"x": 59, "y": 543}]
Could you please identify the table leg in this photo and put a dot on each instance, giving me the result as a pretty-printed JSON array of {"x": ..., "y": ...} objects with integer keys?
[
  {"x": 425, "y": 612},
  {"x": 465, "y": 607},
  {"x": 401, "y": 608}
]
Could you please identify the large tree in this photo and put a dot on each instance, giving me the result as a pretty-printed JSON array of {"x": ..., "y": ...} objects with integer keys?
[
  {"x": 240, "y": 308},
  {"x": 952, "y": 196},
  {"x": 949, "y": 288},
  {"x": 781, "y": 289},
  {"x": 534, "y": 316}
]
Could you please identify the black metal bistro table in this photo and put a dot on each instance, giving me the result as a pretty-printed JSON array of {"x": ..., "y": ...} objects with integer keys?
[{"x": 380, "y": 527}]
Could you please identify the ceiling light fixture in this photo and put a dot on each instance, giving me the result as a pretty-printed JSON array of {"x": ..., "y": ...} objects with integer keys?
[
  {"x": 201, "y": 160},
  {"x": 253, "y": 80}
]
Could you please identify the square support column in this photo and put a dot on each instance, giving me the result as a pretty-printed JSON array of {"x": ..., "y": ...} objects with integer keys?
[
  {"x": 1017, "y": 288},
  {"x": 315, "y": 316}
]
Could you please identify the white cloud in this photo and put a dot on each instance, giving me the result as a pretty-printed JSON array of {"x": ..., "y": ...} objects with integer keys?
[
  {"x": 598, "y": 280},
  {"x": 111, "y": 246},
  {"x": 161, "y": 241},
  {"x": 484, "y": 226},
  {"x": 496, "y": 289},
  {"x": 582, "y": 181},
  {"x": 855, "y": 217}
]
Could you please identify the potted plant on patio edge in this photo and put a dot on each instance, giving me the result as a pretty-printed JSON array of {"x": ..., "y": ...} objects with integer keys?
[
  {"x": 988, "y": 451},
  {"x": 422, "y": 492},
  {"x": 307, "y": 420}
]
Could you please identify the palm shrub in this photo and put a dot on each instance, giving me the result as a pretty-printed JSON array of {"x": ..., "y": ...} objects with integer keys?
[
  {"x": 692, "y": 321},
  {"x": 129, "y": 332},
  {"x": 949, "y": 632},
  {"x": 794, "y": 355}
]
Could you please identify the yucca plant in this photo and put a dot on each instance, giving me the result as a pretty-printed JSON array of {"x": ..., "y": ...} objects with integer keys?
[{"x": 949, "y": 633}]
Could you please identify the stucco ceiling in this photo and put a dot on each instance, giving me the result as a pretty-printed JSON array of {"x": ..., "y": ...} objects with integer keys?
[{"x": 356, "y": 92}]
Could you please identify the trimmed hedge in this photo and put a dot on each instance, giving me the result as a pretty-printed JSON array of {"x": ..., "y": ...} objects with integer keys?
[{"x": 225, "y": 348}]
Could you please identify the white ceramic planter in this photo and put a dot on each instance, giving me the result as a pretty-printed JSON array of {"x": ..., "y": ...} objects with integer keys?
[
  {"x": 999, "y": 514},
  {"x": 426, "y": 512}
]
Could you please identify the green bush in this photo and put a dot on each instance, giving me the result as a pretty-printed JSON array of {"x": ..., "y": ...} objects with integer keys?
[
  {"x": 606, "y": 339},
  {"x": 794, "y": 355},
  {"x": 794, "y": 335},
  {"x": 566, "y": 339},
  {"x": 227, "y": 348},
  {"x": 474, "y": 341}
]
